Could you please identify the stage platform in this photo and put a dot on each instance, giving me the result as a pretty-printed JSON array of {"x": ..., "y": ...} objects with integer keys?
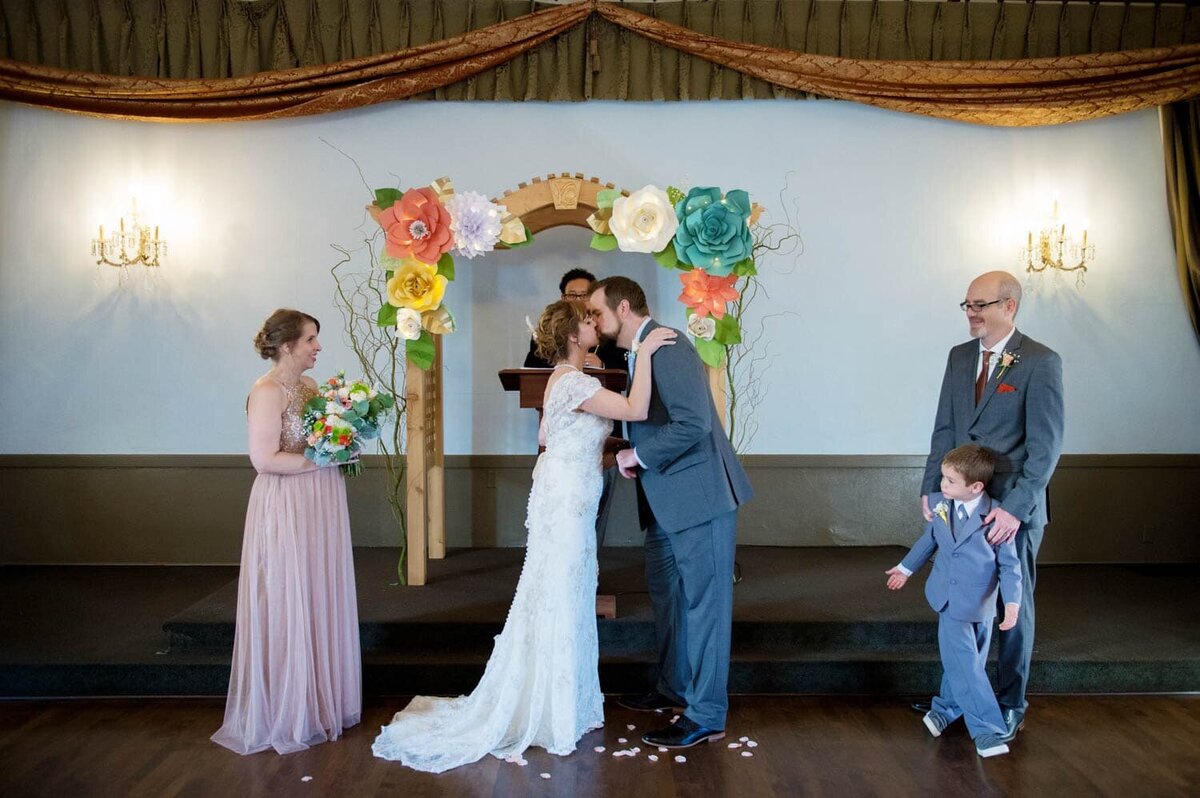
[{"x": 806, "y": 620}]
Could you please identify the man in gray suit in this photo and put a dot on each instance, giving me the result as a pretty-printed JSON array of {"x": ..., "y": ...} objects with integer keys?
[
  {"x": 689, "y": 486},
  {"x": 1003, "y": 390}
]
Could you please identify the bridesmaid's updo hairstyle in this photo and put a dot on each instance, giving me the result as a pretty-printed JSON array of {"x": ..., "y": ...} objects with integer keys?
[
  {"x": 284, "y": 326},
  {"x": 558, "y": 323}
]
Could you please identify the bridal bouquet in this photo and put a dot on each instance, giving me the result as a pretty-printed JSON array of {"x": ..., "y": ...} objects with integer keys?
[{"x": 340, "y": 419}]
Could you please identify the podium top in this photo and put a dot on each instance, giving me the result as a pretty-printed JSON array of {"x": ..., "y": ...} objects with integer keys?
[{"x": 531, "y": 383}]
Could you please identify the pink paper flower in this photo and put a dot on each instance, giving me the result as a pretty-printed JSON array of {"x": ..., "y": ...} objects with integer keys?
[{"x": 417, "y": 226}]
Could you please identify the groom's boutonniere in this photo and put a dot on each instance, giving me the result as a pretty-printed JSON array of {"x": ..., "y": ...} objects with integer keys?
[
  {"x": 1007, "y": 361},
  {"x": 636, "y": 345},
  {"x": 942, "y": 511}
]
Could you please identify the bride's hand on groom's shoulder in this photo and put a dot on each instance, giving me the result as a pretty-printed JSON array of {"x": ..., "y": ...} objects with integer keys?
[{"x": 658, "y": 338}]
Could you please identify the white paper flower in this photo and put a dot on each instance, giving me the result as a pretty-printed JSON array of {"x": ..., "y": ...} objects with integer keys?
[
  {"x": 644, "y": 221},
  {"x": 702, "y": 326},
  {"x": 408, "y": 324},
  {"x": 475, "y": 222}
]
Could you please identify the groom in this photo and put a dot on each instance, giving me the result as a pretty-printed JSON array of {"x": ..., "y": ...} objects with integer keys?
[{"x": 689, "y": 486}]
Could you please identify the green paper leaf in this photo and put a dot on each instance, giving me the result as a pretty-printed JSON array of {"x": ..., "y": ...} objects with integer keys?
[
  {"x": 387, "y": 197},
  {"x": 728, "y": 331},
  {"x": 420, "y": 352},
  {"x": 604, "y": 199},
  {"x": 667, "y": 258},
  {"x": 445, "y": 266},
  {"x": 386, "y": 317},
  {"x": 745, "y": 268},
  {"x": 710, "y": 352},
  {"x": 603, "y": 243},
  {"x": 674, "y": 194}
]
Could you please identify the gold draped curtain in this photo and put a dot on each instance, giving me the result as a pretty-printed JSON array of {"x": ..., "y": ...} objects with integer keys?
[{"x": 1012, "y": 63}]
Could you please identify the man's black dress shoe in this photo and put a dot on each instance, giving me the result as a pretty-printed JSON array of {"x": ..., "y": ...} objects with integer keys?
[
  {"x": 648, "y": 702},
  {"x": 921, "y": 706},
  {"x": 684, "y": 733},
  {"x": 1014, "y": 721}
]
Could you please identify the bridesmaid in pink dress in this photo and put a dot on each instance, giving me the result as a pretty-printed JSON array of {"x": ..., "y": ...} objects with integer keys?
[{"x": 297, "y": 676}]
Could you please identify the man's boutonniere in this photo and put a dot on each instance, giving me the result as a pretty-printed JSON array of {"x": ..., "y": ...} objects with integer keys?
[
  {"x": 1007, "y": 361},
  {"x": 636, "y": 345},
  {"x": 942, "y": 511}
]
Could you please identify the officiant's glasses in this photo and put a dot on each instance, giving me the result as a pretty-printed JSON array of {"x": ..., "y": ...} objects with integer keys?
[{"x": 978, "y": 306}]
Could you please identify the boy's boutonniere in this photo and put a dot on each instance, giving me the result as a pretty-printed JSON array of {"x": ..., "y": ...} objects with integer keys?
[
  {"x": 1007, "y": 361},
  {"x": 942, "y": 511}
]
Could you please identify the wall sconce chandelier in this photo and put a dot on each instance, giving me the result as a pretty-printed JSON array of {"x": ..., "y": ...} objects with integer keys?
[
  {"x": 1055, "y": 249},
  {"x": 133, "y": 244}
]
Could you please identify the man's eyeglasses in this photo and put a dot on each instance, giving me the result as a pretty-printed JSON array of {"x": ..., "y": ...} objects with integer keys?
[
  {"x": 978, "y": 306},
  {"x": 576, "y": 295}
]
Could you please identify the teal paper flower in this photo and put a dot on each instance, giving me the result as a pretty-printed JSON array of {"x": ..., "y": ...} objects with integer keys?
[{"x": 714, "y": 231}]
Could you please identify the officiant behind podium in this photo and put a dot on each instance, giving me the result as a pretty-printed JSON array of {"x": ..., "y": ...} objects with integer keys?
[{"x": 575, "y": 284}]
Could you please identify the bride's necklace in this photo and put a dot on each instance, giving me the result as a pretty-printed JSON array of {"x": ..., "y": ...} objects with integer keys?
[{"x": 568, "y": 365}]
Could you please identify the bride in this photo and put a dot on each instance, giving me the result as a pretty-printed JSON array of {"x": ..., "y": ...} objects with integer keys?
[{"x": 541, "y": 686}]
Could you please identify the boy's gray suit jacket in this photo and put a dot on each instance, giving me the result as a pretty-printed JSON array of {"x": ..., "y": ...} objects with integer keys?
[{"x": 967, "y": 569}]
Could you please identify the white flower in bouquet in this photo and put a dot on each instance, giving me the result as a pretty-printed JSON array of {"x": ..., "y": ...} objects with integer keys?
[
  {"x": 702, "y": 326},
  {"x": 358, "y": 396},
  {"x": 333, "y": 409},
  {"x": 408, "y": 324},
  {"x": 343, "y": 393},
  {"x": 644, "y": 221},
  {"x": 475, "y": 222}
]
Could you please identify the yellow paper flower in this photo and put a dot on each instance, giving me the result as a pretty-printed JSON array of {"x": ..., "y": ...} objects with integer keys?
[{"x": 417, "y": 285}]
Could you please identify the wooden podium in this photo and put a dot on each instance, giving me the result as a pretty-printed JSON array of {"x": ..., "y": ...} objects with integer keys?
[{"x": 530, "y": 386}]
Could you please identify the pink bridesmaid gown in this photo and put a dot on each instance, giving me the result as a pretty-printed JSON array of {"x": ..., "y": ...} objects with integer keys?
[{"x": 297, "y": 673}]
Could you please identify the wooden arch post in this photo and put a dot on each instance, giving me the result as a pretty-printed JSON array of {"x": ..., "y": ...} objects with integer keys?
[{"x": 542, "y": 203}]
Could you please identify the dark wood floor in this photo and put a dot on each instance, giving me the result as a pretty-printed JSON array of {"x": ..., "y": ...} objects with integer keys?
[{"x": 836, "y": 746}]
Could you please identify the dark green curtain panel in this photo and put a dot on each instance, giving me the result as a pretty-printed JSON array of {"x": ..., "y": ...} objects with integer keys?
[{"x": 1181, "y": 146}]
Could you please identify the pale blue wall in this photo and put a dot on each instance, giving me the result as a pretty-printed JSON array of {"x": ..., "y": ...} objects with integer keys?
[{"x": 897, "y": 214}]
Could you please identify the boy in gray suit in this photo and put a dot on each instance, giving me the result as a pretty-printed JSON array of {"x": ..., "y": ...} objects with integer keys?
[{"x": 962, "y": 590}]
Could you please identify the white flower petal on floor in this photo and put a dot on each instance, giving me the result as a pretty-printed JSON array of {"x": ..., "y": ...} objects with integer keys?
[
  {"x": 599, "y": 749},
  {"x": 662, "y": 750},
  {"x": 630, "y": 726},
  {"x": 622, "y": 740},
  {"x": 751, "y": 744},
  {"x": 747, "y": 753},
  {"x": 743, "y": 739},
  {"x": 680, "y": 758},
  {"x": 544, "y": 775},
  {"x": 306, "y": 778},
  {"x": 653, "y": 757},
  {"x": 735, "y": 745}
]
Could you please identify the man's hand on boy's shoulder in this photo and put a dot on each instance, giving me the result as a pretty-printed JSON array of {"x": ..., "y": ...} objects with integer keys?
[{"x": 1004, "y": 525}]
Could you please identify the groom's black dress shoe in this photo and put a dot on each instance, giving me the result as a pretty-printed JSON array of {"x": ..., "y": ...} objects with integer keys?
[
  {"x": 684, "y": 733},
  {"x": 921, "y": 706},
  {"x": 648, "y": 702}
]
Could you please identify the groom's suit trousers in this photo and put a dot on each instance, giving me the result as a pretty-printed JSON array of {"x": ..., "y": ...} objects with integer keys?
[{"x": 691, "y": 572}]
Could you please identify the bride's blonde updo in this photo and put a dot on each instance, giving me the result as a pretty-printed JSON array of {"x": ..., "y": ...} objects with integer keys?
[
  {"x": 559, "y": 321},
  {"x": 284, "y": 326}
]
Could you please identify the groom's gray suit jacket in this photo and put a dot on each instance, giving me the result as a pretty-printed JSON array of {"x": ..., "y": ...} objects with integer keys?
[
  {"x": 692, "y": 474},
  {"x": 1019, "y": 417}
]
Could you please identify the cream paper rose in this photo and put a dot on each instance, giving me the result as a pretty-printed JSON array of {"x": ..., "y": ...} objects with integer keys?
[
  {"x": 408, "y": 324},
  {"x": 645, "y": 221},
  {"x": 702, "y": 326}
]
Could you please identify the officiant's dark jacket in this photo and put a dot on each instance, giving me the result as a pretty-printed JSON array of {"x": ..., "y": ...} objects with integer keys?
[{"x": 692, "y": 474}]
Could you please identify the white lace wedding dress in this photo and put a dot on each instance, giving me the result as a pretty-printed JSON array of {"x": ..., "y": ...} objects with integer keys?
[{"x": 541, "y": 686}]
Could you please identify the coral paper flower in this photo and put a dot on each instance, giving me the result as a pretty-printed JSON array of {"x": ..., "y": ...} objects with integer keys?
[
  {"x": 416, "y": 285},
  {"x": 706, "y": 294},
  {"x": 417, "y": 226},
  {"x": 644, "y": 221}
]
